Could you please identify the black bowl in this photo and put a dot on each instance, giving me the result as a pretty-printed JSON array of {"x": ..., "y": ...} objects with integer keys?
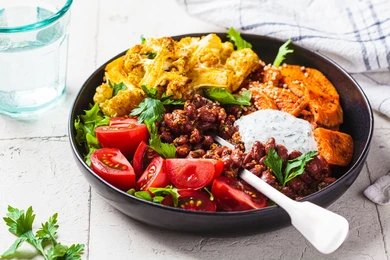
[{"x": 358, "y": 122}]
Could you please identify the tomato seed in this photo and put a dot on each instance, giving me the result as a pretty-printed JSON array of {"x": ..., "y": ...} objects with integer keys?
[{"x": 198, "y": 203}]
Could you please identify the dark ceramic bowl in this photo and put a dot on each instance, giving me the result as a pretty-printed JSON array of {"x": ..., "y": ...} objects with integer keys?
[{"x": 358, "y": 122}]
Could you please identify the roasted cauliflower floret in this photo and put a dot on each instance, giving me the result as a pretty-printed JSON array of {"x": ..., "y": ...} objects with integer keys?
[
  {"x": 242, "y": 63},
  {"x": 103, "y": 92},
  {"x": 121, "y": 104}
]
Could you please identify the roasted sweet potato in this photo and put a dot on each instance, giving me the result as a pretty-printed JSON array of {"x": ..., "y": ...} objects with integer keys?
[
  {"x": 284, "y": 99},
  {"x": 334, "y": 146},
  {"x": 321, "y": 95}
]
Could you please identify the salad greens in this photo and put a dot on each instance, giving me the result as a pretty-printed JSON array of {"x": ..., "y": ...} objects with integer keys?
[
  {"x": 294, "y": 167},
  {"x": 44, "y": 240},
  {"x": 85, "y": 129},
  {"x": 158, "y": 194},
  {"x": 235, "y": 37},
  {"x": 282, "y": 53},
  {"x": 224, "y": 97},
  {"x": 150, "y": 111}
]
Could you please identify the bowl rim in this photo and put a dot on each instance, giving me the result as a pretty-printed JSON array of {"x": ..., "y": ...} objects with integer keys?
[{"x": 310, "y": 197}]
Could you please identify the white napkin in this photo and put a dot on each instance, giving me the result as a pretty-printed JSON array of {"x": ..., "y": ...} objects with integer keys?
[
  {"x": 379, "y": 192},
  {"x": 355, "y": 34}
]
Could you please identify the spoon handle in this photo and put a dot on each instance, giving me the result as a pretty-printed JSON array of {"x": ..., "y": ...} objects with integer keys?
[{"x": 325, "y": 230}]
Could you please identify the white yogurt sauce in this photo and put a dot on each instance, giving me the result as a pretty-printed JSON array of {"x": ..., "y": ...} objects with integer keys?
[{"x": 294, "y": 133}]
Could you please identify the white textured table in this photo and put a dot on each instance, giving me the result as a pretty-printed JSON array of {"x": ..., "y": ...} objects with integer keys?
[{"x": 37, "y": 167}]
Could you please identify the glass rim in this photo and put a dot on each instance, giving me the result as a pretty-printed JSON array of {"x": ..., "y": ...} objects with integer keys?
[{"x": 40, "y": 24}]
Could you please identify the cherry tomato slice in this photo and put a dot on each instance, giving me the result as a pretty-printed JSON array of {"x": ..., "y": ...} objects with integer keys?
[
  {"x": 190, "y": 173},
  {"x": 192, "y": 200},
  {"x": 138, "y": 159},
  {"x": 142, "y": 157},
  {"x": 154, "y": 175},
  {"x": 113, "y": 167},
  {"x": 125, "y": 137},
  {"x": 196, "y": 200},
  {"x": 218, "y": 164},
  {"x": 235, "y": 195},
  {"x": 123, "y": 121}
]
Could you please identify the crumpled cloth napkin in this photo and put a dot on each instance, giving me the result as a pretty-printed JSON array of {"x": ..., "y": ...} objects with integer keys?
[
  {"x": 379, "y": 192},
  {"x": 355, "y": 34}
]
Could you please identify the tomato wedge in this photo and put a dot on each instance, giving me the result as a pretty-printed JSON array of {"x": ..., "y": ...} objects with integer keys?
[
  {"x": 113, "y": 167},
  {"x": 154, "y": 175},
  {"x": 194, "y": 200},
  {"x": 192, "y": 173},
  {"x": 122, "y": 133},
  {"x": 142, "y": 157},
  {"x": 234, "y": 195}
]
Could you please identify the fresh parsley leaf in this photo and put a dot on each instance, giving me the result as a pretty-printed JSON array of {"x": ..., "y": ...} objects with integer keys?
[
  {"x": 150, "y": 92},
  {"x": 275, "y": 163},
  {"x": 117, "y": 87},
  {"x": 48, "y": 231},
  {"x": 57, "y": 251},
  {"x": 85, "y": 129},
  {"x": 235, "y": 37},
  {"x": 168, "y": 190},
  {"x": 168, "y": 100},
  {"x": 20, "y": 224},
  {"x": 164, "y": 149},
  {"x": 224, "y": 97},
  {"x": 296, "y": 167},
  {"x": 74, "y": 252},
  {"x": 143, "y": 195},
  {"x": 149, "y": 109},
  {"x": 283, "y": 51},
  {"x": 143, "y": 40}
]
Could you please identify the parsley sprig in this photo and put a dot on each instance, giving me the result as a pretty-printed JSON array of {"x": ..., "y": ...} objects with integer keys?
[
  {"x": 224, "y": 97},
  {"x": 20, "y": 224},
  {"x": 282, "y": 53},
  {"x": 235, "y": 37},
  {"x": 294, "y": 167},
  {"x": 150, "y": 111}
]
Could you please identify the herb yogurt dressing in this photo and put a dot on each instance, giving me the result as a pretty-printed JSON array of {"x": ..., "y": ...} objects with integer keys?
[{"x": 294, "y": 133}]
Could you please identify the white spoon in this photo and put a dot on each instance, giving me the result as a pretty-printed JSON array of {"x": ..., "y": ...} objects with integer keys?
[{"x": 325, "y": 230}]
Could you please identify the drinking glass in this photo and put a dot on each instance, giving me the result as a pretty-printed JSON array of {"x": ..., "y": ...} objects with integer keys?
[{"x": 33, "y": 55}]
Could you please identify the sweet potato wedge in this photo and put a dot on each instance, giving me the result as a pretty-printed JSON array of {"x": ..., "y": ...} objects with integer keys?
[
  {"x": 334, "y": 146},
  {"x": 321, "y": 95}
]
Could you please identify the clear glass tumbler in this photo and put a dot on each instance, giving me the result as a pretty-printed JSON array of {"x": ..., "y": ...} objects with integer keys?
[{"x": 33, "y": 55}]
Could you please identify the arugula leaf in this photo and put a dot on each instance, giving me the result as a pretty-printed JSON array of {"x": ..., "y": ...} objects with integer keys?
[
  {"x": 20, "y": 224},
  {"x": 150, "y": 92},
  {"x": 158, "y": 199},
  {"x": 168, "y": 190},
  {"x": 164, "y": 149},
  {"x": 85, "y": 129},
  {"x": 275, "y": 163},
  {"x": 235, "y": 37},
  {"x": 117, "y": 87},
  {"x": 283, "y": 51},
  {"x": 224, "y": 97},
  {"x": 168, "y": 100},
  {"x": 296, "y": 166}
]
